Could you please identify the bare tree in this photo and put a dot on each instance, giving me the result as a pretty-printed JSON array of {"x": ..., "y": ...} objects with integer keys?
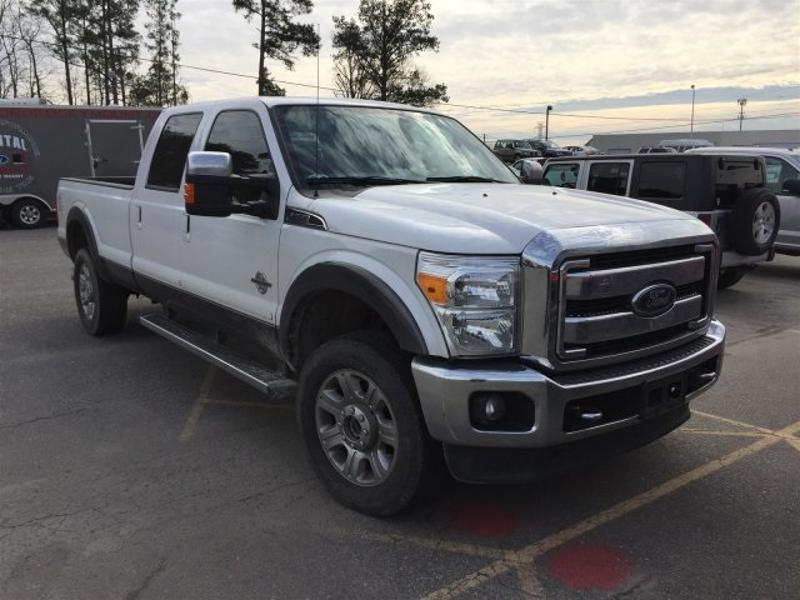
[{"x": 60, "y": 15}]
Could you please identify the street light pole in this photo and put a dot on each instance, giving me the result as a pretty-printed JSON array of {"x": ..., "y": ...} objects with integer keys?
[
  {"x": 742, "y": 102},
  {"x": 691, "y": 127},
  {"x": 547, "y": 122}
]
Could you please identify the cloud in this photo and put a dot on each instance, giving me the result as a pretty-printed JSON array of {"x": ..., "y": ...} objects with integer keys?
[{"x": 578, "y": 54}]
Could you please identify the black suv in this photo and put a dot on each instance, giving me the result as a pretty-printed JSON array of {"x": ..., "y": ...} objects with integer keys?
[
  {"x": 726, "y": 192},
  {"x": 548, "y": 148}
]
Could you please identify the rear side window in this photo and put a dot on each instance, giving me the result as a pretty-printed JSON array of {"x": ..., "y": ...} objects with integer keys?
[
  {"x": 609, "y": 178},
  {"x": 778, "y": 172},
  {"x": 169, "y": 158},
  {"x": 662, "y": 180},
  {"x": 562, "y": 175}
]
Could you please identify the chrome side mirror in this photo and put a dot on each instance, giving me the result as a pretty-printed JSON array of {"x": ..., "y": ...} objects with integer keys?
[{"x": 205, "y": 164}]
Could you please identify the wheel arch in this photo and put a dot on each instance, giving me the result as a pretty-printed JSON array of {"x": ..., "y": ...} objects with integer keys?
[{"x": 346, "y": 282}]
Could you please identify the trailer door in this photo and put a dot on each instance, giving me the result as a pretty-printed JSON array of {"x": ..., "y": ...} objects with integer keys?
[{"x": 115, "y": 147}]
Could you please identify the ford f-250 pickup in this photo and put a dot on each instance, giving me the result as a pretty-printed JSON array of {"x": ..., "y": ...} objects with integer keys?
[{"x": 426, "y": 304}]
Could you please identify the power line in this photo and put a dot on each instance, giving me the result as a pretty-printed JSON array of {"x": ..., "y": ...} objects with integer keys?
[{"x": 451, "y": 104}]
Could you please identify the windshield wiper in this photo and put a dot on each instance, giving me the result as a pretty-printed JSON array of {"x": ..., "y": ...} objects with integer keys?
[
  {"x": 356, "y": 180},
  {"x": 464, "y": 179}
]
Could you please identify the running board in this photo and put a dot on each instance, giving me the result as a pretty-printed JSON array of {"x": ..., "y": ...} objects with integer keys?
[{"x": 218, "y": 355}]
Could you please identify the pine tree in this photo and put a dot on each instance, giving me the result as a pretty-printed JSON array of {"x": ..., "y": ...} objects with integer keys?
[
  {"x": 159, "y": 86},
  {"x": 280, "y": 36},
  {"x": 373, "y": 53}
]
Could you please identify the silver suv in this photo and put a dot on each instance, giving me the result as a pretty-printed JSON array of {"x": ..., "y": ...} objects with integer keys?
[{"x": 783, "y": 180}]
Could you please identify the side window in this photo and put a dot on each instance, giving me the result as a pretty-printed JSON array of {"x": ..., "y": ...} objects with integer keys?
[
  {"x": 777, "y": 173},
  {"x": 169, "y": 158},
  {"x": 240, "y": 134},
  {"x": 609, "y": 178},
  {"x": 562, "y": 175},
  {"x": 662, "y": 180}
]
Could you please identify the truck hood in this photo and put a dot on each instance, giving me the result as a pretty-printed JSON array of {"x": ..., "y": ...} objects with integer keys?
[{"x": 478, "y": 218}]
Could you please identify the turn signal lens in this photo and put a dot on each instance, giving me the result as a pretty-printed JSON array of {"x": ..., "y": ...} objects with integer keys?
[
  {"x": 188, "y": 193},
  {"x": 434, "y": 288}
]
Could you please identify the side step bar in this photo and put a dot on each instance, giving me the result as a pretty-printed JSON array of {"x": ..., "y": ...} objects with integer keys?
[{"x": 218, "y": 355}]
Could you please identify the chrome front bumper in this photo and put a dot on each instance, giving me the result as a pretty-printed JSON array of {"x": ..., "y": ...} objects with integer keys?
[{"x": 445, "y": 387}]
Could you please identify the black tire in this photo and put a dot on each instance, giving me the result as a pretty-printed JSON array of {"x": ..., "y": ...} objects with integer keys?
[
  {"x": 416, "y": 459},
  {"x": 744, "y": 229},
  {"x": 730, "y": 276},
  {"x": 108, "y": 302},
  {"x": 27, "y": 213}
]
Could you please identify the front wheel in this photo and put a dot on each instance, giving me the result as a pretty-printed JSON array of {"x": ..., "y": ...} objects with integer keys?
[
  {"x": 730, "y": 276},
  {"x": 362, "y": 425}
]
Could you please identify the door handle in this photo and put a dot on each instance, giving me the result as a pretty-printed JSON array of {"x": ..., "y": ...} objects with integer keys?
[
  {"x": 139, "y": 216},
  {"x": 187, "y": 232}
]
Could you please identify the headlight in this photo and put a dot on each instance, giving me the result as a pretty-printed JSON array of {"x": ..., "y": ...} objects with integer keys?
[{"x": 475, "y": 301}]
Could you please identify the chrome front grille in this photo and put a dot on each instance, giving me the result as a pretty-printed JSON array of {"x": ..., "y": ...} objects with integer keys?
[{"x": 596, "y": 320}]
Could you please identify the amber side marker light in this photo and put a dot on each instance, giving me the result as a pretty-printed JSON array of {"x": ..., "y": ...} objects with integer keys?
[
  {"x": 188, "y": 193},
  {"x": 434, "y": 288}
]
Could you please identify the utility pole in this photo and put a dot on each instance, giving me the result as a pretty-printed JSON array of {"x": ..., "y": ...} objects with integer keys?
[
  {"x": 742, "y": 102},
  {"x": 691, "y": 127},
  {"x": 547, "y": 122}
]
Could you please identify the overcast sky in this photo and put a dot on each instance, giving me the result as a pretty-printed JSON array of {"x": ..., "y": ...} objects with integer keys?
[{"x": 613, "y": 58}]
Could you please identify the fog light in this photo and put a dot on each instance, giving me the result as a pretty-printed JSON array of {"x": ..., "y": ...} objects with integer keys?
[{"x": 494, "y": 407}]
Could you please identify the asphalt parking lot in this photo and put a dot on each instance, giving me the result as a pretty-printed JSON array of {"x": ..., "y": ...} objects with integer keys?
[{"x": 131, "y": 469}]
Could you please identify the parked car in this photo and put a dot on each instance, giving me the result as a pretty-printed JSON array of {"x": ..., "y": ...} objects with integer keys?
[
  {"x": 581, "y": 150},
  {"x": 40, "y": 143},
  {"x": 684, "y": 144},
  {"x": 725, "y": 191},
  {"x": 426, "y": 304},
  {"x": 656, "y": 150},
  {"x": 548, "y": 148},
  {"x": 513, "y": 150},
  {"x": 783, "y": 178},
  {"x": 529, "y": 170}
]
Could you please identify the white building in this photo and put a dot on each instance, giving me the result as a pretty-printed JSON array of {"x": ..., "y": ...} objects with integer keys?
[{"x": 625, "y": 143}]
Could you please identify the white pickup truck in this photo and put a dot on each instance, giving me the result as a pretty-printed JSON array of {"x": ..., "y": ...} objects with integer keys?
[{"x": 427, "y": 305}]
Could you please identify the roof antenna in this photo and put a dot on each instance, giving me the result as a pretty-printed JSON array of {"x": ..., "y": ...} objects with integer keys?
[{"x": 316, "y": 114}]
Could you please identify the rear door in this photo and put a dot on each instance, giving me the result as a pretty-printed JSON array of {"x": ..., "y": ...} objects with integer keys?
[{"x": 158, "y": 218}]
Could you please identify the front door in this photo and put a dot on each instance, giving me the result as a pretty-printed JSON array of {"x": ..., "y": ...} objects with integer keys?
[{"x": 233, "y": 261}]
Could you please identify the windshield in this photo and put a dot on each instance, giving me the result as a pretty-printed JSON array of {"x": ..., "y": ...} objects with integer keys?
[{"x": 383, "y": 146}]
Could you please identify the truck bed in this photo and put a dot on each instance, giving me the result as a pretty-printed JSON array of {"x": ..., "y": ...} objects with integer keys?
[{"x": 107, "y": 201}]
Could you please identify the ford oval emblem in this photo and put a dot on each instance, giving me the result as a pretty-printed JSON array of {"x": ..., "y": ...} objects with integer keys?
[
  {"x": 654, "y": 300},
  {"x": 4, "y": 160}
]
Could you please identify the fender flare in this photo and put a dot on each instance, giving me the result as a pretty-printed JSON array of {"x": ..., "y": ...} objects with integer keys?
[
  {"x": 361, "y": 284},
  {"x": 76, "y": 215}
]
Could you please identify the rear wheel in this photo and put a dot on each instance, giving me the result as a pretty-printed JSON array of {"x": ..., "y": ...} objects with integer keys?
[
  {"x": 102, "y": 306},
  {"x": 361, "y": 423},
  {"x": 27, "y": 213},
  {"x": 730, "y": 276}
]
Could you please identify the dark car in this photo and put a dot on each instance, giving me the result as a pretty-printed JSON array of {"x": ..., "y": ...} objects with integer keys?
[
  {"x": 657, "y": 150},
  {"x": 513, "y": 150},
  {"x": 728, "y": 192},
  {"x": 549, "y": 148}
]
